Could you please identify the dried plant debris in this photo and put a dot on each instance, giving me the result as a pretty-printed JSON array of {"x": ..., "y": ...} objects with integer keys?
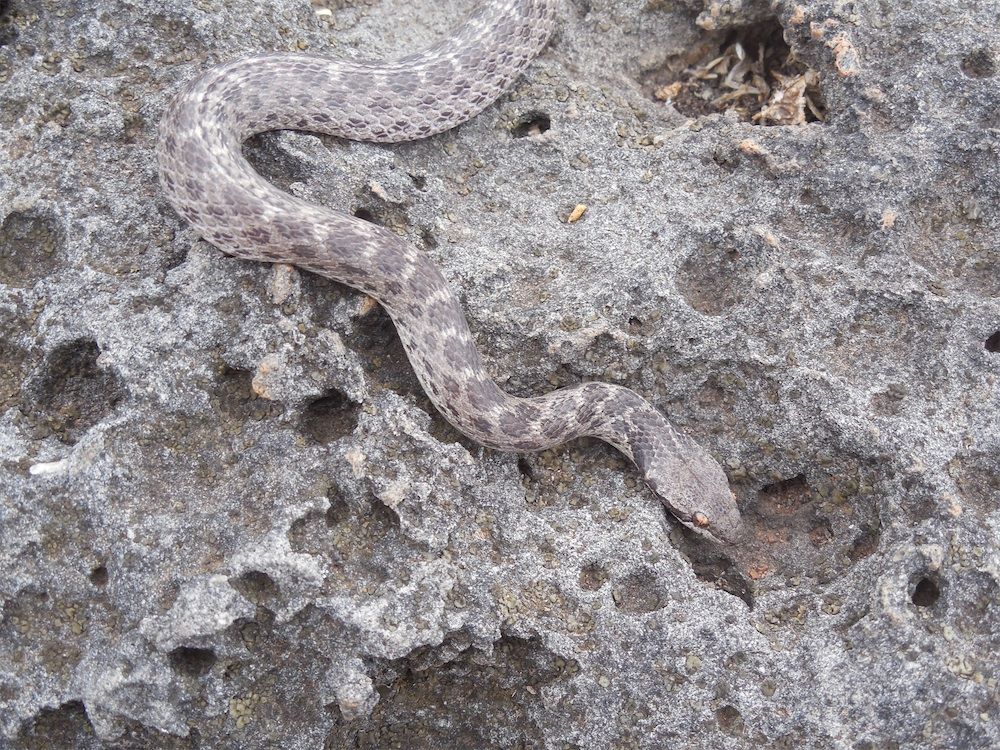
[{"x": 753, "y": 73}]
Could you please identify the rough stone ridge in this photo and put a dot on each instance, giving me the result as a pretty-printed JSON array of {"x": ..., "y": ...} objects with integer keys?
[{"x": 230, "y": 518}]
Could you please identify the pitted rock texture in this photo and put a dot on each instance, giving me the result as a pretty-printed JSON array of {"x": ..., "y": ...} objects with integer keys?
[{"x": 229, "y": 517}]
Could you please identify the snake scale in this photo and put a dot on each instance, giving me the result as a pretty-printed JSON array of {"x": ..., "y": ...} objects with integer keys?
[{"x": 212, "y": 186}]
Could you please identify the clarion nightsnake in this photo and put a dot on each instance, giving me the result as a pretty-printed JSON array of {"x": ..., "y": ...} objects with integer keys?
[{"x": 210, "y": 183}]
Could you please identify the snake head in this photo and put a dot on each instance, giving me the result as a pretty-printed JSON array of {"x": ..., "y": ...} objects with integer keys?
[{"x": 695, "y": 490}]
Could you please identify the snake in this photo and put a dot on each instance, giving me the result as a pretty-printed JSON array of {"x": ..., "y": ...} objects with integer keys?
[{"x": 212, "y": 186}]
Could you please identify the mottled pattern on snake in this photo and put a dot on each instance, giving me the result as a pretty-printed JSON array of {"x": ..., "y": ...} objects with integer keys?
[{"x": 210, "y": 183}]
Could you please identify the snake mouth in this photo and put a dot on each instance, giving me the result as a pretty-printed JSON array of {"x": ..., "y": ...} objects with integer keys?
[{"x": 683, "y": 516}]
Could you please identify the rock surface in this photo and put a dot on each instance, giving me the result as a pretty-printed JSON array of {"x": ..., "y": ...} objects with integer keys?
[{"x": 230, "y": 518}]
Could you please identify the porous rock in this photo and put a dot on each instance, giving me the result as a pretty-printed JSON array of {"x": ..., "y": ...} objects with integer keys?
[{"x": 230, "y": 518}]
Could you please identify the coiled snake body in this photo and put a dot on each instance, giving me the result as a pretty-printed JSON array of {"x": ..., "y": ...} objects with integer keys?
[{"x": 209, "y": 183}]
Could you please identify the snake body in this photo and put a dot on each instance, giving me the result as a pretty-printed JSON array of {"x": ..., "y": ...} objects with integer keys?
[{"x": 211, "y": 185}]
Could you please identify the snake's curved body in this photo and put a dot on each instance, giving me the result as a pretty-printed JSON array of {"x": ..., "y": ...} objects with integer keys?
[{"x": 210, "y": 184}]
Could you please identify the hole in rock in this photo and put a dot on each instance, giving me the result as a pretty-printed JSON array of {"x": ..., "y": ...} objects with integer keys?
[
  {"x": 330, "y": 417},
  {"x": 980, "y": 63},
  {"x": 441, "y": 429},
  {"x": 65, "y": 726},
  {"x": 428, "y": 238},
  {"x": 257, "y": 586},
  {"x": 374, "y": 339},
  {"x": 714, "y": 279},
  {"x": 365, "y": 215},
  {"x": 236, "y": 401},
  {"x": 593, "y": 576},
  {"x": 30, "y": 246},
  {"x": 785, "y": 496},
  {"x": 453, "y": 698},
  {"x": 99, "y": 576},
  {"x": 339, "y": 511},
  {"x": 533, "y": 123},
  {"x": 805, "y": 527},
  {"x": 74, "y": 393},
  {"x": 267, "y": 155},
  {"x": 864, "y": 544},
  {"x": 750, "y": 71},
  {"x": 993, "y": 343},
  {"x": 639, "y": 592},
  {"x": 13, "y": 361},
  {"x": 709, "y": 566},
  {"x": 926, "y": 593},
  {"x": 730, "y": 720},
  {"x": 192, "y": 661},
  {"x": 8, "y": 31}
]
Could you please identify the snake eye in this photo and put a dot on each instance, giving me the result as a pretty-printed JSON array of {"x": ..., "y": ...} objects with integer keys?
[{"x": 700, "y": 520}]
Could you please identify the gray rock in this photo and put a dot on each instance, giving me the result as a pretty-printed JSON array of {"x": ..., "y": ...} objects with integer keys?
[{"x": 230, "y": 518}]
